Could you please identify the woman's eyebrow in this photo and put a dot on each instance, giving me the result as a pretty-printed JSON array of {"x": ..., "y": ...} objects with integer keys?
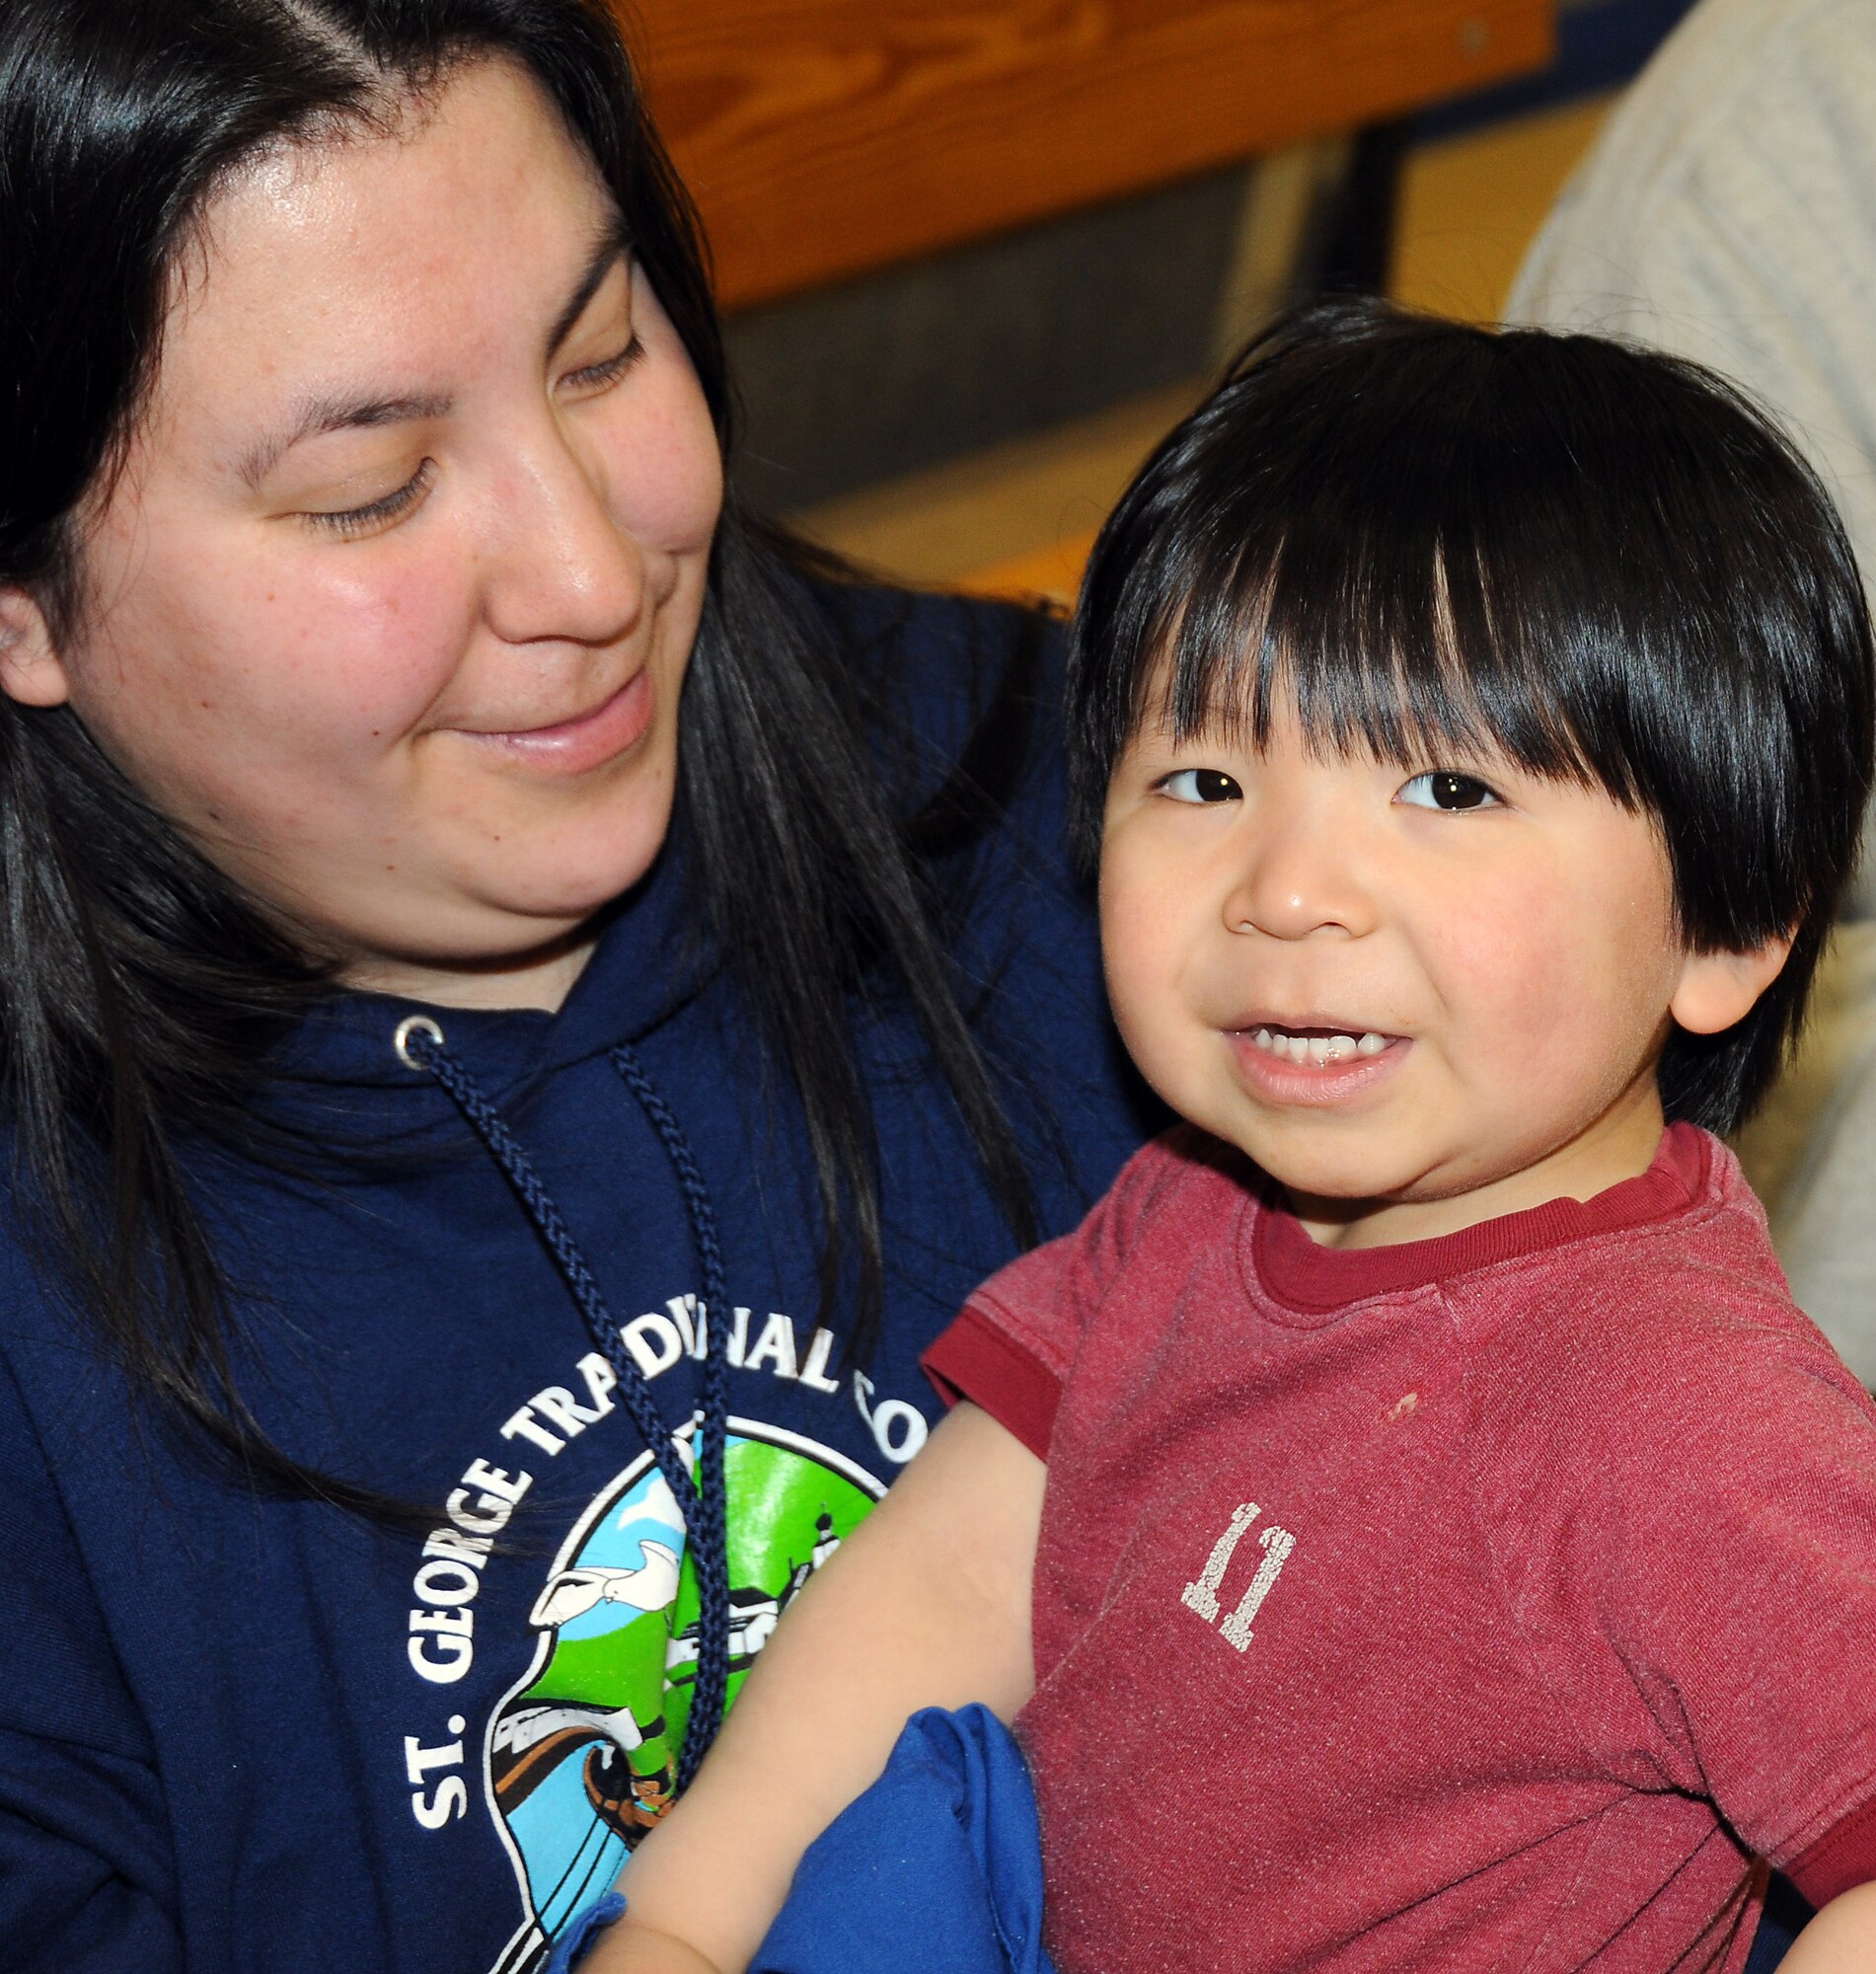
[
  {"x": 320, "y": 413},
  {"x": 610, "y": 249}
]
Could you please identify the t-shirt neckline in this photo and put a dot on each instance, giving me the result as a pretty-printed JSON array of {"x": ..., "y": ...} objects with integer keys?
[{"x": 1297, "y": 1270}]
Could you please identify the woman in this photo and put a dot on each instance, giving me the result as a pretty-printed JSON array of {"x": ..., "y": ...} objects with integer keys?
[{"x": 524, "y": 998}]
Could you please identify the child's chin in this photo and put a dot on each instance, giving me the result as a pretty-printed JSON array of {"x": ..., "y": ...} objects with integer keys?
[
  {"x": 1334, "y": 1163},
  {"x": 1351, "y": 1187},
  {"x": 1339, "y": 1191}
]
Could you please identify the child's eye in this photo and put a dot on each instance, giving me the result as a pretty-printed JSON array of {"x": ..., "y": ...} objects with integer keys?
[
  {"x": 1200, "y": 785},
  {"x": 1445, "y": 790}
]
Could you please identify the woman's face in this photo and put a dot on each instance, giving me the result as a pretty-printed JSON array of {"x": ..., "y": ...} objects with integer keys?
[{"x": 392, "y": 607}]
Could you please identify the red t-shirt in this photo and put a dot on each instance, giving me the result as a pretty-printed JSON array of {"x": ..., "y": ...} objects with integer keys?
[{"x": 1486, "y": 1603}]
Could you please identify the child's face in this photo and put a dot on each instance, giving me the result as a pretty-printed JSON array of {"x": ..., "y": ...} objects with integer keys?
[{"x": 1478, "y": 968}]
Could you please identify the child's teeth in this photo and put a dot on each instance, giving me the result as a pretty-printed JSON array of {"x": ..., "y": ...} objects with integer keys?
[{"x": 1316, "y": 1050}]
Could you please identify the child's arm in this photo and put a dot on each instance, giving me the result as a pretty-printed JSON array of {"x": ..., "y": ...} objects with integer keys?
[
  {"x": 1841, "y": 1939},
  {"x": 927, "y": 1604}
]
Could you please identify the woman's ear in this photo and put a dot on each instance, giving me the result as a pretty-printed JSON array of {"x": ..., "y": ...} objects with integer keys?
[
  {"x": 31, "y": 670},
  {"x": 1717, "y": 989}
]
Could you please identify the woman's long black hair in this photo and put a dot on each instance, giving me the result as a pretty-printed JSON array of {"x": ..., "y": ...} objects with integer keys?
[{"x": 140, "y": 993}]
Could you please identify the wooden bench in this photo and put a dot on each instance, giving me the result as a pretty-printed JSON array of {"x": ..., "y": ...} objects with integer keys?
[
  {"x": 828, "y": 138},
  {"x": 823, "y": 138}
]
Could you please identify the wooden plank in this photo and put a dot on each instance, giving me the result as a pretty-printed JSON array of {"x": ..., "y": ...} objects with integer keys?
[{"x": 822, "y": 137}]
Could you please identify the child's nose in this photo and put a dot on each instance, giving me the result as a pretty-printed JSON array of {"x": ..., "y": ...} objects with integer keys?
[{"x": 1299, "y": 882}]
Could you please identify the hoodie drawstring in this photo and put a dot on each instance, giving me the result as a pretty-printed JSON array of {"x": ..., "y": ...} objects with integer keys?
[{"x": 419, "y": 1043}]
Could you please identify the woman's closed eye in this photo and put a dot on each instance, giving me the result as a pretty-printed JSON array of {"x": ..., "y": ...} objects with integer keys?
[
  {"x": 351, "y": 523},
  {"x": 598, "y": 376},
  {"x": 1443, "y": 788},
  {"x": 1200, "y": 785}
]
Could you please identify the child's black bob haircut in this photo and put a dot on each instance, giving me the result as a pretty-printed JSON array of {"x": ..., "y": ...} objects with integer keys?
[{"x": 1602, "y": 562}]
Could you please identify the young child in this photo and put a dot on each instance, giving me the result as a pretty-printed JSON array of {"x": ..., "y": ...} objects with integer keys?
[{"x": 1457, "y": 1551}]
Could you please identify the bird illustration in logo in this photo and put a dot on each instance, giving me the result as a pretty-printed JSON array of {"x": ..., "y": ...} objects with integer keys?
[{"x": 574, "y": 1592}]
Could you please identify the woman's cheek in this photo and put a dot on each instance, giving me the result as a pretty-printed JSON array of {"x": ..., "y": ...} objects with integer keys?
[
  {"x": 667, "y": 498},
  {"x": 369, "y": 662},
  {"x": 663, "y": 461}
]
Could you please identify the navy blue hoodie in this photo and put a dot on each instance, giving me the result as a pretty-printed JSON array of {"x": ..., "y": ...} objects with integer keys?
[{"x": 238, "y": 1734}]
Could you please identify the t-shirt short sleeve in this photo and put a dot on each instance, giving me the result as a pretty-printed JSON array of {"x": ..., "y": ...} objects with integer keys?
[
  {"x": 1754, "y": 1658},
  {"x": 1012, "y": 1348}
]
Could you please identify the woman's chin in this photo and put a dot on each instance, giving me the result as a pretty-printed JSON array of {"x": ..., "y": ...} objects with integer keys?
[
  {"x": 550, "y": 891},
  {"x": 523, "y": 948}
]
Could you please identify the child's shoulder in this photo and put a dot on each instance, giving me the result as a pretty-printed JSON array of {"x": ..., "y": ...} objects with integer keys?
[
  {"x": 1180, "y": 1193},
  {"x": 1671, "y": 1342},
  {"x": 1181, "y": 1181},
  {"x": 1186, "y": 1158},
  {"x": 1683, "y": 1250}
]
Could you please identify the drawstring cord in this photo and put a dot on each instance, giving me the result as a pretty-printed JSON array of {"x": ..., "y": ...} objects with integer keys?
[
  {"x": 419, "y": 1044},
  {"x": 712, "y": 1549}
]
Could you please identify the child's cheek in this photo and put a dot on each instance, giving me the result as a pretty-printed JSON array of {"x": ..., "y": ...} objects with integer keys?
[
  {"x": 1150, "y": 940},
  {"x": 1564, "y": 985},
  {"x": 1132, "y": 953}
]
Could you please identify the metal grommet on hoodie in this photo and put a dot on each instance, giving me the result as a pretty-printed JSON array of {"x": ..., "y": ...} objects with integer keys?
[{"x": 414, "y": 1024}]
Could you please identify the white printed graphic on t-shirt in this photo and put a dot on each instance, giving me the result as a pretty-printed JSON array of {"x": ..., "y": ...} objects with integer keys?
[{"x": 1202, "y": 1595}]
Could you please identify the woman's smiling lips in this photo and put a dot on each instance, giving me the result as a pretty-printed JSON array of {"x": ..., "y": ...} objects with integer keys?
[
  {"x": 589, "y": 739},
  {"x": 1314, "y": 1061}
]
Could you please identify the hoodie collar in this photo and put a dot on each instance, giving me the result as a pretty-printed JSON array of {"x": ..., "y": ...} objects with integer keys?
[{"x": 644, "y": 968}]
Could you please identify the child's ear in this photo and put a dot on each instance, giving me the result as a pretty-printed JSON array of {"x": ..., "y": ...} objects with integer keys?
[
  {"x": 1717, "y": 989},
  {"x": 31, "y": 670}
]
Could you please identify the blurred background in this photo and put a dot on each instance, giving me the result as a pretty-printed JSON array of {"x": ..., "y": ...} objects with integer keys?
[{"x": 978, "y": 257}]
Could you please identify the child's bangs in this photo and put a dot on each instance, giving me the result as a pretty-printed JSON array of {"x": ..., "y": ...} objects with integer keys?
[
  {"x": 1381, "y": 639},
  {"x": 1406, "y": 548}
]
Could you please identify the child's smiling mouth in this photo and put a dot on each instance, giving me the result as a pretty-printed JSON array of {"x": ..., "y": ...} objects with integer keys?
[{"x": 1325, "y": 1060}]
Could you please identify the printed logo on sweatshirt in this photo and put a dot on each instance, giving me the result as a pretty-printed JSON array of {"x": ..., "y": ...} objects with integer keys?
[
  {"x": 663, "y": 1338},
  {"x": 581, "y": 1753}
]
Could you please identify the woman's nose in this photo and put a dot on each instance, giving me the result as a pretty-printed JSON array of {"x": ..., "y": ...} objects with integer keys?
[
  {"x": 1298, "y": 876},
  {"x": 562, "y": 566}
]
